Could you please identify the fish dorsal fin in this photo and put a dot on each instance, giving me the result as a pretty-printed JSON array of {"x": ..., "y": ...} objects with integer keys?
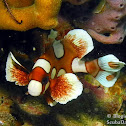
[
  {"x": 65, "y": 88},
  {"x": 80, "y": 41},
  {"x": 15, "y": 72},
  {"x": 53, "y": 34}
]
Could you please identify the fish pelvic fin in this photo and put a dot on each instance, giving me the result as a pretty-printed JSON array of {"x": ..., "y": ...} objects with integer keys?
[
  {"x": 15, "y": 72},
  {"x": 65, "y": 88},
  {"x": 79, "y": 41}
]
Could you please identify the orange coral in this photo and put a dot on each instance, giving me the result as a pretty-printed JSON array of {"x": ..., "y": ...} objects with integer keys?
[{"x": 40, "y": 13}]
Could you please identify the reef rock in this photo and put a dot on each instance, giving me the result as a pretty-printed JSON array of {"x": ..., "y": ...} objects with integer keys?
[
  {"x": 34, "y": 106},
  {"x": 111, "y": 99},
  {"x": 7, "y": 119}
]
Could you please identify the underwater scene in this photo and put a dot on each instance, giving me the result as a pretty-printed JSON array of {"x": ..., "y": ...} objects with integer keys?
[{"x": 62, "y": 63}]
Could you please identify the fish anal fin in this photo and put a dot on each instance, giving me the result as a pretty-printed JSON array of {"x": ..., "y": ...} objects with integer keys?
[
  {"x": 65, "y": 88},
  {"x": 15, "y": 72}
]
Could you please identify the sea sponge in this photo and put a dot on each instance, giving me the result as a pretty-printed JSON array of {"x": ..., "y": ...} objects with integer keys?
[
  {"x": 76, "y": 2},
  {"x": 108, "y": 21},
  {"x": 20, "y": 3},
  {"x": 42, "y": 14}
]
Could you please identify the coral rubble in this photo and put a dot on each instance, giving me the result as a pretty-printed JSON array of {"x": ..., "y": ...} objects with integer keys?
[
  {"x": 6, "y": 105},
  {"x": 111, "y": 98},
  {"x": 34, "y": 106}
]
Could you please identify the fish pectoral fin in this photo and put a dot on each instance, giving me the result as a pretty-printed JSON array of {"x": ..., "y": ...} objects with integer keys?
[
  {"x": 106, "y": 78},
  {"x": 15, "y": 72},
  {"x": 79, "y": 41},
  {"x": 65, "y": 88}
]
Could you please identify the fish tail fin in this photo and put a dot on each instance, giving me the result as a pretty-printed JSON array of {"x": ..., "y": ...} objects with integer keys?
[
  {"x": 106, "y": 78},
  {"x": 65, "y": 88},
  {"x": 105, "y": 69},
  {"x": 15, "y": 72}
]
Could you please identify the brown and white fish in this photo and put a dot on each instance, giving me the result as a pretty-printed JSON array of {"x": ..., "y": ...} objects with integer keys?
[{"x": 53, "y": 73}]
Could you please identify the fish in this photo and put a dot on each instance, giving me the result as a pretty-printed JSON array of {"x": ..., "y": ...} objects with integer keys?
[{"x": 53, "y": 73}]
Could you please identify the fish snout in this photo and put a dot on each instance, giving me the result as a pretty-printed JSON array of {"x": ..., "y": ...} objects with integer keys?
[{"x": 34, "y": 88}]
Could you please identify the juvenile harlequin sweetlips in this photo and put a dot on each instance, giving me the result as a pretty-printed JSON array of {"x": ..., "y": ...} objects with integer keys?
[{"x": 53, "y": 73}]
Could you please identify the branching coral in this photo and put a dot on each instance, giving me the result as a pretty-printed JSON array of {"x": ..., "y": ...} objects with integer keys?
[
  {"x": 107, "y": 24},
  {"x": 42, "y": 14}
]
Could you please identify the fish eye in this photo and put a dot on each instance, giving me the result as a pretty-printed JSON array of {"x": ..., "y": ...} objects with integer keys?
[{"x": 45, "y": 80}]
